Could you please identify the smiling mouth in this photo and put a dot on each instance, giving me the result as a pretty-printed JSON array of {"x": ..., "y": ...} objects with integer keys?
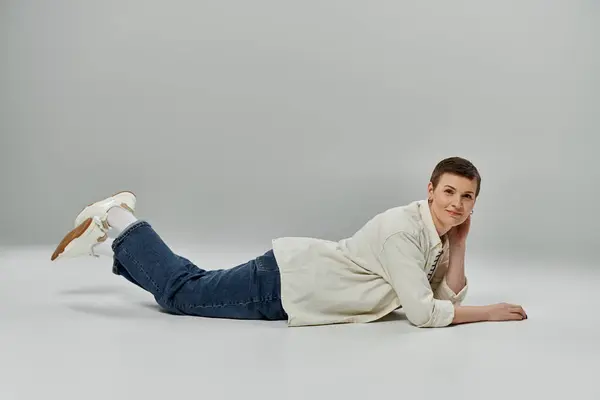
[{"x": 454, "y": 214}]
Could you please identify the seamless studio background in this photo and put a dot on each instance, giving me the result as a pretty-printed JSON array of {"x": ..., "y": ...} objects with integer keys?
[{"x": 238, "y": 122}]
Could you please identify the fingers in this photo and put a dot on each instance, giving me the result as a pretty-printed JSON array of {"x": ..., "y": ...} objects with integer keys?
[
  {"x": 517, "y": 316},
  {"x": 515, "y": 308},
  {"x": 514, "y": 317},
  {"x": 512, "y": 312},
  {"x": 518, "y": 311}
]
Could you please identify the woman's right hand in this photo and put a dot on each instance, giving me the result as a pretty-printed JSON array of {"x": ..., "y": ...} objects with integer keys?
[{"x": 505, "y": 312}]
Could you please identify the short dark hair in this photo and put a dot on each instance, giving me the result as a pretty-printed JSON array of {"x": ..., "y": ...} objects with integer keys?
[{"x": 457, "y": 166}]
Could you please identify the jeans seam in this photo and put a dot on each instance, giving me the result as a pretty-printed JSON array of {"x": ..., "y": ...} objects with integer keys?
[
  {"x": 242, "y": 303},
  {"x": 141, "y": 268}
]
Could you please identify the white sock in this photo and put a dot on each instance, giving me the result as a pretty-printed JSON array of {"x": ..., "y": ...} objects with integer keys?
[
  {"x": 119, "y": 218},
  {"x": 104, "y": 248}
]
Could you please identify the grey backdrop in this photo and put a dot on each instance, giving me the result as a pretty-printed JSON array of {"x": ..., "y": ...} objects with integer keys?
[{"x": 239, "y": 121}]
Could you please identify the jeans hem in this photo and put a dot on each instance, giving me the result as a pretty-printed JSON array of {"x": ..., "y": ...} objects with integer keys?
[{"x": 123, "y": 235}]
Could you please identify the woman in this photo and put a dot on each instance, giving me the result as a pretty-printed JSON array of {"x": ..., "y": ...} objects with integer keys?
[{"x": 410, "y": 256}]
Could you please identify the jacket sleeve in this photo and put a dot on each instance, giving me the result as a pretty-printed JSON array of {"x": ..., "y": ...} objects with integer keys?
[
  {"x": 403, "y": 262},
  {"x": 443, "y": 292}
]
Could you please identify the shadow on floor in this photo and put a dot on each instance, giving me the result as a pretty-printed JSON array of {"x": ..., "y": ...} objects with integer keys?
[
  {"x": 394, "y": 316},
  {"x": 91, "y": 290},
  {"x": 111, "y": 311}
]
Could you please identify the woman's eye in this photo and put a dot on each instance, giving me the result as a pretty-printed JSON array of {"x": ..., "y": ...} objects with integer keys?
[{"x": 450, "y": 192}]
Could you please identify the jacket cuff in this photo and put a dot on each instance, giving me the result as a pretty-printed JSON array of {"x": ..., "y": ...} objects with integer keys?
[{"x": 445, "y": 293}]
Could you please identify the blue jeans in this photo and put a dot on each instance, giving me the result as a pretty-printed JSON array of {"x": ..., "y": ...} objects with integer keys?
[{"x": 248, "y": 291}]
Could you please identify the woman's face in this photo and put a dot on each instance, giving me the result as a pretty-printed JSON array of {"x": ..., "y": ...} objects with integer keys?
[{"x": 452, "y": 200}]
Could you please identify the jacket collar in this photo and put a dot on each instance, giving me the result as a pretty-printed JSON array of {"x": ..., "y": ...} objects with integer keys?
[{"x": 427, "y": 218}]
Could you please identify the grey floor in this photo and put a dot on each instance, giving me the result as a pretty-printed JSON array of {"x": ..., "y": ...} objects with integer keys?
[{"x": 72, "y": 330}]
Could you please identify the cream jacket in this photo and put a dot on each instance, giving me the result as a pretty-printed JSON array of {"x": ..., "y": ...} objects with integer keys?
[{"x": 397, "y": 259}]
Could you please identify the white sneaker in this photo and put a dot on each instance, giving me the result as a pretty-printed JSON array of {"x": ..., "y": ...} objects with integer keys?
[
  {"x": 81, "y": 240},
  {"x": 124, "y": 199}
]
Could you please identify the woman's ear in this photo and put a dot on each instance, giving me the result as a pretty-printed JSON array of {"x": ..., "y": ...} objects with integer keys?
[{"x": 430, "y": 189}]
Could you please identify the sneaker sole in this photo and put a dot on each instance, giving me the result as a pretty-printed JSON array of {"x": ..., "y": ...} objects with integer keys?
[{"x": 74, "y": 234}]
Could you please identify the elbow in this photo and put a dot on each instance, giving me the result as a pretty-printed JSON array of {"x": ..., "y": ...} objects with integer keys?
[
  {"x": 424, "y": 323},
  {"x": 437, "y": 314},
  {"x": 421, "y": 318}
]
